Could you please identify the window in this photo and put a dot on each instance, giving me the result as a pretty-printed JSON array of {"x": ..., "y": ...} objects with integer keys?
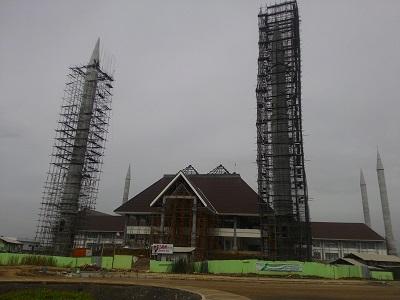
[
  {"x": 350, "y": 245},
  {"x": 367, "y": 245},
  {"x": 331, "y": 244},
  {"x": 331, "y": 256},
  {"x": 316, "y": 255},
  {"x": 316, "y": 243},
  {"x": 228, "y": 244}
]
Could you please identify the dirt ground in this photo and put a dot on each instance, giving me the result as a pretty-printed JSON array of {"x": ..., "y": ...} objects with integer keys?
[{"x": 255, "y": 288}]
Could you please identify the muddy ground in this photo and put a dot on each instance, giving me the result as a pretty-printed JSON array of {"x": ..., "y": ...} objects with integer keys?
[
  {"x": 255, "y": 288},
  {"x": 106, "y": 292}
]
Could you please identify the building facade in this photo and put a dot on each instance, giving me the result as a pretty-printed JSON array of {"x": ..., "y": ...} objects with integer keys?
[
  {"x": 333, "y": 240},
  {"x": 9, "y": 244},
  {"x": 99, "y": 230},
  {"x": 214, "y": 212},
  {"x": 217, "y": 213}
]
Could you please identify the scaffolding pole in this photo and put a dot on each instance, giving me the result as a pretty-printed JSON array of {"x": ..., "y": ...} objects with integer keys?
[
  {"x": 282, "y": 186},
  {"x": 72, "y": 181}
]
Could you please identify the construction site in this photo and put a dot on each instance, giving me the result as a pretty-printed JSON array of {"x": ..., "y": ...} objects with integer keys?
[
  {"x": 282, "y": 186},
  {"x": 72, "y": 180},
  {"x": 200, "y": 234},
  {"x": 212, "y": 215}
]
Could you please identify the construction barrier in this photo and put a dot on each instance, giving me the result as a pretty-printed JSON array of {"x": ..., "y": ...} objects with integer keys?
[
  {"x": 378, "y": 275},
  {"x": 121, "y": 262},
  {"x": 160, "y": 266},
  {"x": 279, "y": 268}
]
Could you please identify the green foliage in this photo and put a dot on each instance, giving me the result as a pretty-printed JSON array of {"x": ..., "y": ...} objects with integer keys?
[
  {"x": 13, "y": 261},
  {"x": 182, "y": 266},
  {"x": 35, "y": 260},
  {"x": 32, "y": 260},
  {"x": 45, "y": 294}
]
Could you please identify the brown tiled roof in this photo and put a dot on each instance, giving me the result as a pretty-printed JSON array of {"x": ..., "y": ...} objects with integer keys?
[
  {"x": 227, "y": 193},
  {"x": 99, "y": 223},
  {"x": 141, "y": 202},
  {"x": 91, "y": 212},
  {"x": 343, "y": 231}
]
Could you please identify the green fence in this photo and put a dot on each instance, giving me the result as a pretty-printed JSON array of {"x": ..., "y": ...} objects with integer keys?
[
  {"x": 122, "y": 262},
  {"x": 278, "y": 268},
  {"x": 378, "y": 275},
  {"x": 160, "y": 266}
]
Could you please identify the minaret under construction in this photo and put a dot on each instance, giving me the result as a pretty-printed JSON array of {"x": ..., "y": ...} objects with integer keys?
[
  {"x": 391, "y": 247},
  {"x": 282, "y": 185},
  {"x": 72, "y": 182},
  {"x": 364, "y": 199},
  {"x": 127, "y": 185}
]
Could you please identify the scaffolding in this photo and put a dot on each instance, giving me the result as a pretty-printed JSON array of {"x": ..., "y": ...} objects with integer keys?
[
  {"x": 72, "y": 181},
  {"x": 282, "y": 186}
]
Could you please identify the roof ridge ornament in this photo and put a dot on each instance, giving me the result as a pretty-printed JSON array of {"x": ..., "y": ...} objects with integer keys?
[
  {"x": 219, "y": 170},
  {"x": 190, "y": 170}
]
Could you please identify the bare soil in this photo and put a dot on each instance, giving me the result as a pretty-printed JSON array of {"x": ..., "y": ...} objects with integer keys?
[{"x": 255, "y": 288}]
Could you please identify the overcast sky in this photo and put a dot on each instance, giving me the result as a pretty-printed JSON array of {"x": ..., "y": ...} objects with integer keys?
[{"x": 185, "y": 94}]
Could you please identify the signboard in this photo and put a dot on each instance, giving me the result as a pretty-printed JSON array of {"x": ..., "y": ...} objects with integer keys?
[
  {"x": 278, "y": 267},
  {"x": 162, "y": 249}
]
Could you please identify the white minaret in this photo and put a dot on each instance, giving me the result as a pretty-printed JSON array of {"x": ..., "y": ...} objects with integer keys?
[
  {"x": 391, "y": 247},
  {"x": 364, "y": 198},
  {"x": 127, "y": 185}
]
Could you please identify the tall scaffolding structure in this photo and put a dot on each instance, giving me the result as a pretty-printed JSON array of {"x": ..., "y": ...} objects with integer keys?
[
  {"x": 282, "y": 186},
  {"x": 72, "y": 181}
]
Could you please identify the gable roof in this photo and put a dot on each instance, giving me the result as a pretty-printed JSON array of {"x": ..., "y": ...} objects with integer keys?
[
  {"x": 343, "y": 231},
  {"x": 10, "y": 240},
  {"x": 181, "y": 175},
  {"x": 91, "y": 212},
  {"x": 226, "y": 193},
  {"x": 374, "y": 257}
]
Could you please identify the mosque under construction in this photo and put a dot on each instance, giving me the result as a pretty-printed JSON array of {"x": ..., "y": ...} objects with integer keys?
[{"x": 211, "y": 215}]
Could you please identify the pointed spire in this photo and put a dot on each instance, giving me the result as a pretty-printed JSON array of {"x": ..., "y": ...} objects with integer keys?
[
  {"x": 127, "y": 185},
  {"x": 364, "y": 199},
  {"x": 379, "y": 165},
  {"x": 387, "y": 220},
  {"x": 362, "y": 179},
  {"x": 128, "y": 173},
  {"x": 95, "y": 58}
]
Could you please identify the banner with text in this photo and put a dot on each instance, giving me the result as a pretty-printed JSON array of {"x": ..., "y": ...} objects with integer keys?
[{"x": 278, "y": 267}]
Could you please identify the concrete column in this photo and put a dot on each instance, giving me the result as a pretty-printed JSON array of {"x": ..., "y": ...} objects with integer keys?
[
  {"x": 127, "y": 217},
  {"x": 162, "y": 220},
  {"x": 69, "y": 203},
  {"x": 387, "y": 221},
  {"x": 235, "y": 247},
  {"x": 194, "y": 221},
  {"x": 364, "y": 198}
]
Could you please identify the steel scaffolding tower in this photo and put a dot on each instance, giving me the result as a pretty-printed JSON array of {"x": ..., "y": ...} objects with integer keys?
[
  {"x": 282, "y": 186},
  {"x": 72, "y": 180}
]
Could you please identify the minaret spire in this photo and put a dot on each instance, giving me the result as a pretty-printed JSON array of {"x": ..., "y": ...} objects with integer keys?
[
  {"x": 127, "y": 185},
  {"x": 74, "y": 173},
  {"x": 391, "y": 247},
  {"x": 95, "y": 57},
  {"x": 364, "y": 198}
]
